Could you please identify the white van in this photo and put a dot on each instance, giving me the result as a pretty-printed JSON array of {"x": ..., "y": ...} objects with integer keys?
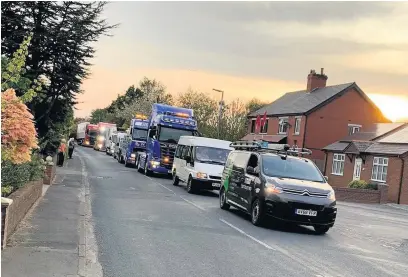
[{"x": 199, "y": 162}]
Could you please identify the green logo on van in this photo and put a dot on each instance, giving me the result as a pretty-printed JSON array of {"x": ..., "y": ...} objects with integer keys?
[{"x": 227, "y": 179}]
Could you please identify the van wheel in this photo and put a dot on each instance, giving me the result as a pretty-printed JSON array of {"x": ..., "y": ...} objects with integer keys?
[
  {"x": 190, "y": 185},
  {"x": 175, "y": 179},
  {"x": 223, "y": 199},
  {"x": 257, "y": 213},
  {"x": 321, "y": 230}
]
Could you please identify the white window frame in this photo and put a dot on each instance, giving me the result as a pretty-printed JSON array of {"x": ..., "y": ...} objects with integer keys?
[
  {"x": 279, "y": 125},
  {"x": 267, "y": 120},
  {"x": 379, "y": 164},
  {"x": 338, "y": 161},
  {"x": 354, "y": 127},
  {"x": 297, "y": 125}
]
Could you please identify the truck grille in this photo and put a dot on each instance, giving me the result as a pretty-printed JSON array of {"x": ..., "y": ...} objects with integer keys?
[{"x": 167, "y": 150}]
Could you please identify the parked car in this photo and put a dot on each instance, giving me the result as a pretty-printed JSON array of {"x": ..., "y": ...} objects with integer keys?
[
  {"x": 276, "y": 183},
  {"x": 199, "y": 162}
]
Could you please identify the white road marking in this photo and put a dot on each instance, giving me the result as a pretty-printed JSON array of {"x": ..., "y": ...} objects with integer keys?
[
  {"x": 192, "y": 203},
  {"x": 247, "y": 235},
  {"x": 160, "y": 184},
  {"x": 132, "y": 188}
]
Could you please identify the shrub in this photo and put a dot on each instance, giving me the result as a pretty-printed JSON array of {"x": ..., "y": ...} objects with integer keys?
[
  {"x": 37, "y": 167},
  {"x": 18, "y": 131},
  {"x": 361, "y": 184}
]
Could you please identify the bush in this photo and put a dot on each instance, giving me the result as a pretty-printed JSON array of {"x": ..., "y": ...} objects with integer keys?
[
  {"x": 15, "y": 176},
  {"x": 361, "y": 184}
]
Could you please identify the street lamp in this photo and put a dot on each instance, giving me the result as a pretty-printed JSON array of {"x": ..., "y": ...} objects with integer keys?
[{"x": 221, "y": 103}]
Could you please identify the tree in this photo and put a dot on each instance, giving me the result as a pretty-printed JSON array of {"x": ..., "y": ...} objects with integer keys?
[
  {"x": 255, "y": 104},
  {"x": 18, "y": 132},
  {"x": 60, "y": 50}
]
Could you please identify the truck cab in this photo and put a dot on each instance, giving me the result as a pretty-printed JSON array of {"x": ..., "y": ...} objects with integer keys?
[
  {"x": 90, "y": 135},
  {"x": 104, "y": 132},
  {"x": 166, "y": 125},
  {"x": 136, "y": 140}
]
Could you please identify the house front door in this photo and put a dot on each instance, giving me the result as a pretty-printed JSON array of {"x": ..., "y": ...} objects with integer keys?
[{"x": 357, "y": 169}]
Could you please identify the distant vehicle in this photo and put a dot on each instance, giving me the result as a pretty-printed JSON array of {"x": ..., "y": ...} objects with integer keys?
[
  {"x": 276, "y": 183},
  {"x": 199, "y": 162},
  {"x": 90, "y": 135},
  {"x": 136, "y": 142},
  {"x": 104, "y": 132},
  {"x": 120, "y": 141},
  {"x": 166, "y": 125},
  {"x": 81, "y": 130}
]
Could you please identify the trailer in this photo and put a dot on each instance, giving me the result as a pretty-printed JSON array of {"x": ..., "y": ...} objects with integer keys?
[{"x": 81, "y": 131}]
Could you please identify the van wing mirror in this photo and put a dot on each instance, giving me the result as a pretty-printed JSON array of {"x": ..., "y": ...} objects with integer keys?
[
  {"x": 250, "y": 170},
  {"x": 326, "y": 178}
]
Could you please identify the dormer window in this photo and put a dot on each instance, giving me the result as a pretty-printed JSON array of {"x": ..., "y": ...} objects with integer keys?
[{"x": 353, "y": 128}]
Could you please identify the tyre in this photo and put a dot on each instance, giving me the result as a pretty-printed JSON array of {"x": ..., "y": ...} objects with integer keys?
[
  {"x": 176, "y": 180},
  {"x": 321, "y": 230},
  {"x": 147, "y": 172},
  {"x": 223, "y": 199},
  {"x": 190, "y": 185},
  {"x": 257, "y": 213}
]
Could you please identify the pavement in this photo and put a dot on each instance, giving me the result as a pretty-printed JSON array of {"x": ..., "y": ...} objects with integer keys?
[{"x": 133, "y": 225}]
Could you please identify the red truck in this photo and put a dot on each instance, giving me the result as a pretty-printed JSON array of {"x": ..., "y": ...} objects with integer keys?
[{"x": 90, "y": 135}]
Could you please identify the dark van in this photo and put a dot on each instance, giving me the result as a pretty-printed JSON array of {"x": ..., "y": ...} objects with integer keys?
[{"x": 276, "y": 183}]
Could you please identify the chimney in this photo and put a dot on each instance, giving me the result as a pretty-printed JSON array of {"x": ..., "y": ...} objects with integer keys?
[{"x": 316, "y": 80}]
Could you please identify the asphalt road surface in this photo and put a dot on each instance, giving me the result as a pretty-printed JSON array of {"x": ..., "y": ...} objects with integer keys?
[{"x": 147, "y": 227}]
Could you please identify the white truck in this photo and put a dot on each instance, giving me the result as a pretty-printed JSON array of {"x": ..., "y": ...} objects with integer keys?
[{"x": 81, "y": 130}]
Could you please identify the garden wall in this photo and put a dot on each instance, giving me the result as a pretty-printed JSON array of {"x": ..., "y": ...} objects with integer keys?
[{"x": 367, "y": 196}]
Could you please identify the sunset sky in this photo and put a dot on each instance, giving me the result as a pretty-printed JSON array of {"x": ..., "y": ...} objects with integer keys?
[{"x": 253, "y": 49}]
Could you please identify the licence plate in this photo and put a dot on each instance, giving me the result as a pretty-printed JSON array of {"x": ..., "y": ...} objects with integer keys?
[
  {"x": 306, "y": 212},
  {"x": 217, "y": 185},
  {"x": 169, "y": 171}
]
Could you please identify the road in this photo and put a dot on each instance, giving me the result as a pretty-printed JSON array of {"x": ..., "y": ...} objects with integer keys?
[{"x": 147, "y": 227}]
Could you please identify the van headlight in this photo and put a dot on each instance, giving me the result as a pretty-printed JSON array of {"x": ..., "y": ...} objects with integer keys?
[
  {"x": 133, "y": 155},
  {"x": 201, "y": 175},
  {"x": 331, "y": 195},
  {"x": 272, "y": 189}
]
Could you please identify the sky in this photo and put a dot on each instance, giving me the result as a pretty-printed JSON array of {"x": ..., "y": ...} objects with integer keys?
[{"x": 252, "y": 49}]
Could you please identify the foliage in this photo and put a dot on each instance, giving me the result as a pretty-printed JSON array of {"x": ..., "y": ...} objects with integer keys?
[
  {"x": 59, "y": 51},
  {"x": 18, "y": 131},
  {"x": 361, "y": 184},
  {"x": 13, "y": 69}
]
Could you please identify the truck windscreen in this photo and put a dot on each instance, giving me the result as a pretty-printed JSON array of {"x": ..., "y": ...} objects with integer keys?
[
  {"x": 139, "y": 134},
  {"x": 92, "y": 133},
  {"x": 172, "y": 135}
]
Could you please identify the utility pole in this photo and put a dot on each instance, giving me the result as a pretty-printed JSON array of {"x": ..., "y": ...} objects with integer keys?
[{"x": 221, "y": 103}]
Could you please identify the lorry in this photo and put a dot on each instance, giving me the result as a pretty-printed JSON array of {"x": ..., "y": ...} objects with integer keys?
[
  {"x": 166, "y": 125},
  {"x": 90, "y": 135},
  {"x": 81, "y": 130},
  {"x": 136, "y": 140},
  {"x": 104, "y": 133}
]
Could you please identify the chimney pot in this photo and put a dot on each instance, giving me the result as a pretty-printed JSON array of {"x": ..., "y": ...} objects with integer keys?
[{"x": 321, "y": 71}]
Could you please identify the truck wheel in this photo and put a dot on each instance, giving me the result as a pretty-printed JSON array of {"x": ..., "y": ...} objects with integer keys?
[
  {"x": 147, "y": 172},
  {"x": 257, "y": 213},
  {"x": 223, "y": 199},
  {"x": 175, "y": 179},
  {"x": 190, "y": 185}
]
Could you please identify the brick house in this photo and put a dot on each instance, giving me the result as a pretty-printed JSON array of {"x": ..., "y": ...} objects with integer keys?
[
  {"x": 317, "y": 116},
  {"x": 376, "y": 154}
]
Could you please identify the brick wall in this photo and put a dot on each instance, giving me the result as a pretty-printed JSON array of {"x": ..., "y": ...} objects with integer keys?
[
  {"x": 23, "y": 200},
  {"x": 49, "y": 174},
  {"x": 330, "y": 123},
  {"x": 362, "y": 195}
]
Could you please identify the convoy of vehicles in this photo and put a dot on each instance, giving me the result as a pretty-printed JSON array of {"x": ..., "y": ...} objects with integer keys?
[
  {"x": 90, "y": 135},
  {"x": 104, "y": 132},
  {"x": 199, "y": 162},
  {"x": 81, "y": 131},
  {"x": 266, "y": 181},
  {"x": 278, "y": 184},
  {"x": 166, "y": 125}
]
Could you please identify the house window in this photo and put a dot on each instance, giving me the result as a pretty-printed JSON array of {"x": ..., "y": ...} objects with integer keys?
[
  {"x": 338, "y": 164},
  {"x": 353, "y": 128},
  {"x": 380, "y": 167},
  {"x": 264, "y": 129},
  {"x": 297, "y": 125},
  {"x": 283, "y": 125},
  {"x": 253, "y": 126}
]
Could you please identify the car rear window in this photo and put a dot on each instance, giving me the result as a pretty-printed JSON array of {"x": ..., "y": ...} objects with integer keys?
[{"x": 294, "y": 168}]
